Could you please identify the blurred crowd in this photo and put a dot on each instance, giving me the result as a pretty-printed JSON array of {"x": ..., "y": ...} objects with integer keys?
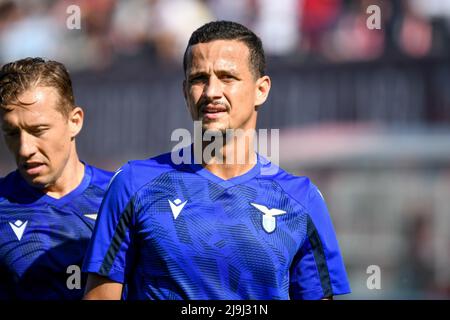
[{"x": 321, "y": 30}]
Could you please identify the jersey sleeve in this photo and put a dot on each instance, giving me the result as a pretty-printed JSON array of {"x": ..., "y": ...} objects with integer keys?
[
  {"x": 110, "y": 252},
  {"x": 318, "y": 270}
]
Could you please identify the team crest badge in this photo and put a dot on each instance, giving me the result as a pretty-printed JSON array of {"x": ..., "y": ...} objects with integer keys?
[{"x": 269, "y": 221}]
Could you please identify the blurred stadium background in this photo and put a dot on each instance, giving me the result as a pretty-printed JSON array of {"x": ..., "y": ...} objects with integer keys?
[{"x": 364, "y": 113}]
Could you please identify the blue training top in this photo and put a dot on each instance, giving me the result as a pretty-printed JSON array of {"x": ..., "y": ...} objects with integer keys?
[
  {"x": 170, "y": 231},
  {"x": 40, "y": 236}
]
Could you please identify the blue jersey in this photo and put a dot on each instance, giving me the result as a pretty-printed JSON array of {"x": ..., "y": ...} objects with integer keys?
[
  {"x": 171, "y": 231},
  {"x": 42, "y": 237}
]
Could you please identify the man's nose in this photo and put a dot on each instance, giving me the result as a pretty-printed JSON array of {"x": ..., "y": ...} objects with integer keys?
[
  {"x": 213, "y": 89},
  {"x": 26, "y": 145}
]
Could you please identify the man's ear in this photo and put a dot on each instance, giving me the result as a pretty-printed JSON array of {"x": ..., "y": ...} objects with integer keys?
[
  {"x": 262, "y": 90},
  {"x": 76, "y": 117}
]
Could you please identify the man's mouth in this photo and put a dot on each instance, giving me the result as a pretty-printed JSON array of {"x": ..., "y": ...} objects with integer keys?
[
  {"x": 33, "y": 168},
  {"x": 213, "y": 111}
]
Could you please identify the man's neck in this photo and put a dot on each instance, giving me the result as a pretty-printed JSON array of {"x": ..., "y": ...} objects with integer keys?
[
  {"x": 70, "y": 179},
  {"x": 233, "y": 159}
]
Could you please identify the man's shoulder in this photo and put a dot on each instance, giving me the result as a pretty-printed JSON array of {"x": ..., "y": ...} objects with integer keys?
[
  {"x": 137, "y": 173},
  {"x": 100, "y": 177},
  {"x": 10, "y": 177},
  {"x": 154, "y": 165},
  {"x": 7, "y": 184},
  {"x": 14, "y": 192},
  {"x": 299, "y": 187}
]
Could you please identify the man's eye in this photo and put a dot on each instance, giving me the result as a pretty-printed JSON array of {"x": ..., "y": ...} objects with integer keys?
[
  {"x": 198, "y": 79},
  {"x": 228, "y": 77},
  {"x": 39, "y": 131}
]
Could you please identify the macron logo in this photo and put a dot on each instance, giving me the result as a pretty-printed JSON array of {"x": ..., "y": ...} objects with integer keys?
[
  {"x": 18, "y": 227},
  {"x": 176, "y": 207},
  {"x": 92, "y": 216}
]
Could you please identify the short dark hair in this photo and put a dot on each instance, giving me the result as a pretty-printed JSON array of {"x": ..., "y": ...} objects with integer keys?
[
  {"x": 228, "y": 30},
  {"x": 21, "y": 75}
]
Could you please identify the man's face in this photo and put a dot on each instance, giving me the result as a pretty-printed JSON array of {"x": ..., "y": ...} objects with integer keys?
[
  {"x": 39, "y": 136},
  {"x": 220, "y": 89}
]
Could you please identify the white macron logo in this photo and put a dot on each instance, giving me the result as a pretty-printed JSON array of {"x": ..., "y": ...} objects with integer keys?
[
  {"x": 18, "y": 227},
  {"x": 176, "y": 207},
  {"x": 269, "y": 222},
  {"x": 92, "y": 216}
]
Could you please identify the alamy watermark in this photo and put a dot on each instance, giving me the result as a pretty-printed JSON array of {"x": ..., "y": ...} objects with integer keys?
[
  {"x": 374, "y": 280},
  {"x": 74, "y": 279},
  {"x": 73, "y": 21},
  {"x": 265, "y": 142},
  {"x": 374, "y": 20}
]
